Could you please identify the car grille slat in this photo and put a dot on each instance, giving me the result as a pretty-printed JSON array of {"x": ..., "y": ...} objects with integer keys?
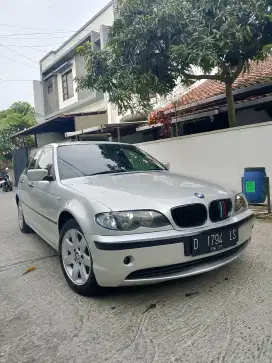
[
  {"x": 219, "y": 210},
  {"x": 191, "y": 215}
]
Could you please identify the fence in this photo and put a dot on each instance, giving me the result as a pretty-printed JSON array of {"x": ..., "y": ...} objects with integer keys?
[{"x": 219, "y": 156}]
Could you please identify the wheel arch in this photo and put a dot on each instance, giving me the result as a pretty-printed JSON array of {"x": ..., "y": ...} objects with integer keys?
[
  {"x": 67, "y": 214},
  {"x": 64, "y": 217},
  {"x": 79, "y": 210}
]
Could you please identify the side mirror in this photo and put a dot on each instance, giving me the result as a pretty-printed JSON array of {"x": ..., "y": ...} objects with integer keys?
[
  {"x": 166, "y": 165},
  {"x": 48, "y": 178},
  {"x": 37, "y": 174}
]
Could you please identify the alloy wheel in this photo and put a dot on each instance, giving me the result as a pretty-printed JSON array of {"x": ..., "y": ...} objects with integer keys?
[{"x": 76, "y": 257}]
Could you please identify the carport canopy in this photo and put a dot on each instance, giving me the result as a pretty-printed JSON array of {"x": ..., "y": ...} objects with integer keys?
[
  {"x": 108, "y": 129},
  {"x": 62, "y": 124}
]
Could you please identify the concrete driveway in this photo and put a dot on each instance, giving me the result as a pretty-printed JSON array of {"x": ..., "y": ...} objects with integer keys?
[{"x": 222, "y": 316}]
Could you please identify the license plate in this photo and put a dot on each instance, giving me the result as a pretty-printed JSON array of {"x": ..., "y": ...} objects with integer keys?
[{"x": 214, "y": 241}]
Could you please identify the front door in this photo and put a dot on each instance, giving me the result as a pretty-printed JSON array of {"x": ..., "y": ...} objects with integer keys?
[
  {"x": 26, "y": 191},
  {"x": 42, "y": 192}
]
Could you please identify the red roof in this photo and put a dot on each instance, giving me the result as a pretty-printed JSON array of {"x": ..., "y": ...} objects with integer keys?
[{"x": 259, "y": 73}]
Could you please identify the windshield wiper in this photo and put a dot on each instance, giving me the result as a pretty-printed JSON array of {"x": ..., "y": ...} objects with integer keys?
[
  {"x": 125, "y": 171},
  {"x": 109, "y": 172}
]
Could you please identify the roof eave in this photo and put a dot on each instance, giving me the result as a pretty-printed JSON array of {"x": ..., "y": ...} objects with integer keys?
[
  {"x": 77, "y": 32},
  {"x": 219, "y": 97},
  {"x": 27, "y": 132}
]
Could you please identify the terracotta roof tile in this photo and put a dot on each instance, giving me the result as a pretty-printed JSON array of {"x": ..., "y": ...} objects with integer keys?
[{"x": 259, "y": 73}]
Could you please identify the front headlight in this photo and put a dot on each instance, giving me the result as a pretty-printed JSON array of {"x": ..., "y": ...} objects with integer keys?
[
  {"x": 131, "y": 220},
  {"x": 240, "y": 203}
]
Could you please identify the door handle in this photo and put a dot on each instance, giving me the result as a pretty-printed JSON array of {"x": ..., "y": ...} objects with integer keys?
[
  {"x": 31, "y": 185},
  {"x": 21, "y": 181}
]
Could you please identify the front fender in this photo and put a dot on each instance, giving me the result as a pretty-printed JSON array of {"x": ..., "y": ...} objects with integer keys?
[{"x": 84, "y": 211}]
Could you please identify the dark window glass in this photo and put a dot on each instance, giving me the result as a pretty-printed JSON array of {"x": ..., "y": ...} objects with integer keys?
[
  {"x": 46, "y": 160},
  {"x": 67, "y": 85},
  {"x": 92, "y": 159},
  {"x": 70, "y": 85},
  {"x": 50, "y": 86}
]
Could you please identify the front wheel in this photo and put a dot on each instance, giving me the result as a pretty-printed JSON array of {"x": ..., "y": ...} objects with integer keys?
[
  {"x": 22, "y": 224},
  {"x": 76, "y": 260}
]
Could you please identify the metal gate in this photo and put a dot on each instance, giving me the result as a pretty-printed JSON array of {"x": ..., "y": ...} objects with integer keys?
[{"x": 20, "y": 161}]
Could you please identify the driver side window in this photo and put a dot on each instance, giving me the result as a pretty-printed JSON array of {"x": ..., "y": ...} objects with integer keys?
[
  {"x": 33, "y": 161},
  {"x": 46, "y": 160}
]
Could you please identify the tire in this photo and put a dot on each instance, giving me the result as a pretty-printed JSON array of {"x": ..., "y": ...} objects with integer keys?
[
  {"x": 76, "y": 260},
  {"x": 24, "y": 228}
]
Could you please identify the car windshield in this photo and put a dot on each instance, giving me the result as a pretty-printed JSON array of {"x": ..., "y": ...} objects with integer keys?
[{"x": 93, "y": 159}]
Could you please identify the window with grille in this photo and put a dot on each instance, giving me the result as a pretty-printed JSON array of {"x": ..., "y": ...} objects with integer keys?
[
  {"x": 50, "y": 86},
  {"x": 67, "y": 85}
]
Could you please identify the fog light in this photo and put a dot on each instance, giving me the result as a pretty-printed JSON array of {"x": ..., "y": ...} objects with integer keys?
[{"x": 127, "y": 260}]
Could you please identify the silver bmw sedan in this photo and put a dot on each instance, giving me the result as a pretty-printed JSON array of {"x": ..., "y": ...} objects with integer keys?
[{"x": 119, "y": 217}]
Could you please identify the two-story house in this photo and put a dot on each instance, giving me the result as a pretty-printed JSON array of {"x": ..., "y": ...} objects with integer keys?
[
  {"x": 56, "y": 92},
  {"x": 61, "y": 107}
]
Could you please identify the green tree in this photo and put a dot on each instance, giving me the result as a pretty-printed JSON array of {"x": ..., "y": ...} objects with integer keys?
[
  {"x": 19, "y": 116},
  {"x": 22, "y": 108},
  {"x": 153, "y": 44}
]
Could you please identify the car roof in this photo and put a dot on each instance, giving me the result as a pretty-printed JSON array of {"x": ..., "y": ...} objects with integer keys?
[{"x": 68, "y": 143}]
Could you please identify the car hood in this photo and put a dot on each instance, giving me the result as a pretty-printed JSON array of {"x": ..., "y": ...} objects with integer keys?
[{"x": 144, "y": 190}]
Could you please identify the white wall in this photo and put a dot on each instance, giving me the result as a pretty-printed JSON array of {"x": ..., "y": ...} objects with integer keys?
[
  {"x": 48, "y": 138},
  {"x": 219, "y": 156},
  {"x": 85, "y": 122},
  {"x": 112, "y": 111},
  {"x": 105, "y": 18},
  {"x": 39, "y": 101}
]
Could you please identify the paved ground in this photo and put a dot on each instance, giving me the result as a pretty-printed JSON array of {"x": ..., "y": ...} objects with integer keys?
[{"x": 223, "y": 316}]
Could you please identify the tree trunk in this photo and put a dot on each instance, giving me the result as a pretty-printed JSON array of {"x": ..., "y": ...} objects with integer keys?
[
  {"x": 176, "y": 117},
  {"x": 231, "y": 105}
]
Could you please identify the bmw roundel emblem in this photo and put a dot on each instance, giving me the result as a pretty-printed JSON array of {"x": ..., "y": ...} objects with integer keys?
[{"x": 199, "y": 195}]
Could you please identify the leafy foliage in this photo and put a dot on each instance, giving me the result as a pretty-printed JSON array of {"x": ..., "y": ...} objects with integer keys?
[
  {"x": 19, "y": 116},
  {"x": 154, "y": 43},
  {"x": 22, "y": 108}
]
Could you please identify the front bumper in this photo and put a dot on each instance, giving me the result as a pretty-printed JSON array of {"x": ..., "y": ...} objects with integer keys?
[{"x": 160, "y": 256}]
